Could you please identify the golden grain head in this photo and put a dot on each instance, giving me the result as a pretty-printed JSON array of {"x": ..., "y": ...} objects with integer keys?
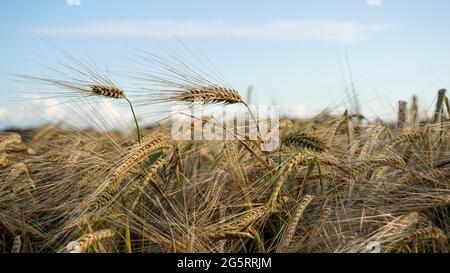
[
  {"x": 213, "y": 94},
  {"x": 107, "y": 91},
  {"x": 303, "y": 140},
  {"x": 82, "y": 244},
  {"x": 11, "y": 138}
]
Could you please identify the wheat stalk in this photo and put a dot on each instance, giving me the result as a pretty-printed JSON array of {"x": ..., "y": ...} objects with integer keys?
[
  {"x": 148, "y": 178},
  {"x": 116, "y": 93}
]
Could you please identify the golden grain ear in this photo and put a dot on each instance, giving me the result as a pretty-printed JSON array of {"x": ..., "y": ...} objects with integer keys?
[
  {"x": 107, "y": 91},
  {"x": 291, "y": 225},
  {"x": 8, "y": 139},
  {"x": 83, "y": 244},
  {"x": 214, "y": 94},
  {"x": 135, "y": 156},
  {"x": 303, "y": 140}
]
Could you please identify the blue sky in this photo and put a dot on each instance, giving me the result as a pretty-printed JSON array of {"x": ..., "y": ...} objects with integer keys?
[{"x": 292, "y": 52}]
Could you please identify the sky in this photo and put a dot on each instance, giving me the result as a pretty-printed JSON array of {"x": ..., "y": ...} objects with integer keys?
[{"x": 293, "y": 53}]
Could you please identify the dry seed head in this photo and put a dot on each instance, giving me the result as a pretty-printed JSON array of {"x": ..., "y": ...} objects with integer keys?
[
  {"x": 409, "y": 136},
  {"x": 409, "y": 219},
  {"x": 153, "y": 170},
  {"x": 325, "y": 215},
  {"x": 294, "y": 161},
  {"x": 286, "y": 124},
  {"x": 215, "y": 186},
  {"x": 149, "y": 174},
  {"x": 303, "y": 140},
  {"x": 329, "y": 160},
  {"x": 373, "y": 134},
  {"x": 371, "y": 164},
  {"x": 149, "y": 178},
  {"x": 404, "y": 222},
  {"x": 9, "y": 139},
  {"x": 338, "y": 123},
  {"x": 230, "y": 235},
  {"x": 107, "y": 91},
  {"x": 17, "y": 170},
  {"x": 16, "y": 148},
  {"x": 430, "y": 233},
  {"x": 4, "y": 161},
  {"x": 292, "y": 224},
  {"x": 82, "y": 244},
  {"x": 212, "y": 94},
  {"x": 249, "y": 218},
  {"x": 17, "y": 244},
  {"x": 138, "y": 154}
]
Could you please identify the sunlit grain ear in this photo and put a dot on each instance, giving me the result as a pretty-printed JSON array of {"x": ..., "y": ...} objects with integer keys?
[
  {"x": 172, "y": 80},
  {"x": 107, "y": 91},
  {"x": 84, "y": 243},
  {"x": 7, "y": 139},
  {"x": 303, "y": 140},
  {"x": 292, "y": 223},
  {"x": 213, "y": 94},
  {"x": 135, "y": 156}
]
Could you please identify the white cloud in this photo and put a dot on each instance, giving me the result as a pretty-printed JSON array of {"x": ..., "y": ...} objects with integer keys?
[
  {"x": 277, "y": 30},
  {"x": 73, "y": 2},
  {"x": 301, "y": 111},
  {"x": 36, "y": 110},
  {"x": 374, "y": 2}
]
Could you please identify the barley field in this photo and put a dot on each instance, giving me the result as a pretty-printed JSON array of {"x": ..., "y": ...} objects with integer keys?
[{"x": 336, "y": 183}]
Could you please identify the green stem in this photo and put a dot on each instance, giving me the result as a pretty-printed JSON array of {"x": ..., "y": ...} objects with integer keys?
[{"x": 135, "y": 121}]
